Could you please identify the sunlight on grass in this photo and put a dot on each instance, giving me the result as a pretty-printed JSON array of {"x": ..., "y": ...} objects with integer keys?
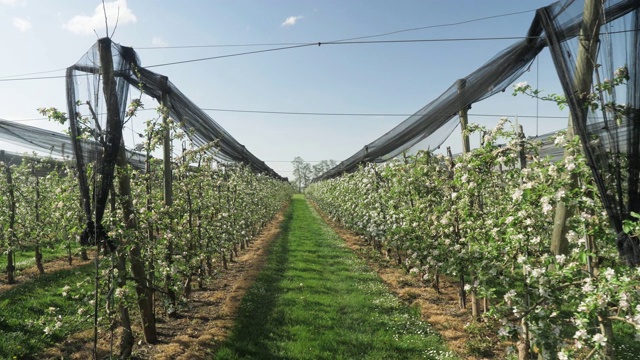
[
  {"x": 27, "y": 309},
  {"x": 317, "y": 300}
]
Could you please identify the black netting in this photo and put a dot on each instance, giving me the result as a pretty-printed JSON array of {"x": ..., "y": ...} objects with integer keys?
[
  {"x": 607, "y": 122},
  {"x": 96, "y": 136},
  {"x": 47, "y": 143},
  {"x": 104, "y": 64},
  {"x": 493, "y": 77}
]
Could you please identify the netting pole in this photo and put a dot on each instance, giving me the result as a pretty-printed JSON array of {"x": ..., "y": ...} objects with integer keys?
[
  {"x": 585, "y": 63},
  {"x": 462, "y": 114},
  {"x": 12, "y": 220},
  {"x": 168, "y": 187}
]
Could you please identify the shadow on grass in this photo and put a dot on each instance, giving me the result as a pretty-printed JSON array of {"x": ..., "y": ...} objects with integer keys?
[
  {"x": 23, "y": 307},
  {"x": 252, "y": 336}
]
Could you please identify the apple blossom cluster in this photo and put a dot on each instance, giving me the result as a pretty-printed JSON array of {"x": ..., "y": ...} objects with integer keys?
[{"x": 488, "y": 219}]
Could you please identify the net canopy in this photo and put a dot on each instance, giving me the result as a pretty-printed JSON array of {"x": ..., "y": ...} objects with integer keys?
[
  {"x": 199, "y": 126},
  {"x": 58, "y": 146},
  {"x": 98, "y": 87},
  {"x": 598, "y": 67},
  {"x": 430, "y": 126}
]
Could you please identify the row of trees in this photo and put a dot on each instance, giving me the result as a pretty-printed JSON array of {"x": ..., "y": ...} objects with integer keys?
[
  {"x": 217, "y": 211},
  {"x": 485, "y": 219}
]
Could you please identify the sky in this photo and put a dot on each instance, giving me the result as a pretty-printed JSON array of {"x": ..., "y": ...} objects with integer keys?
[{"x": 40, "y": 36}]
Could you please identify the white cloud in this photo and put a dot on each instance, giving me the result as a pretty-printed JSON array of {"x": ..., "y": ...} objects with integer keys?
[
  {"x": 157, "y": 41},
  {"x": 21, "y": 24},
  {"x": 291, "y": 20},
  {"x": 116, "y": 10}
]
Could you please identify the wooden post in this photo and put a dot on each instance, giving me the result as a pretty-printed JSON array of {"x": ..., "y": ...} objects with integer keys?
[
  {"x": 124, "y": 182},
  {"x": 585, "y": 63},
  {"x": 11, "y": 268},
  {"x": 168, "y": 188},
  {"x": 462, "y": 83},
  {"x": 168, "y": 177}
]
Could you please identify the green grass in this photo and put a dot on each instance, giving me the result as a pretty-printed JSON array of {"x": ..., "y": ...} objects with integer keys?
[
  {"x": 316, "y": 300},
  {"x": 27, "y": 257},
  {"x": 24, "y": 312}
]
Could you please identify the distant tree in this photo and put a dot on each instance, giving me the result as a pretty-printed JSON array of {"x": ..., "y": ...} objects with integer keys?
[
  {"x": 302, "y": 173},
  {"x": 322, "y": 167}
]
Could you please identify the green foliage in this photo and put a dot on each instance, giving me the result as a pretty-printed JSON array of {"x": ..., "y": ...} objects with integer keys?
[{"x": 484, "y": 216}]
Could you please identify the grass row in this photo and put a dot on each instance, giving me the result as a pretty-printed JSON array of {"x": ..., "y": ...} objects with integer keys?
[
  {"x": 25, "y": 258},
  {"x": 38, "y": 304},
  {"x": 317, "y": 300}
]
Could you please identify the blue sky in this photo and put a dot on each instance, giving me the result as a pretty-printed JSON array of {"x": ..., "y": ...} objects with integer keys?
[{"x": 359, "y": 78}]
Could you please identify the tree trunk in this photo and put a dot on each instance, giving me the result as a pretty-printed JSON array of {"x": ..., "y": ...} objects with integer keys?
[
  {"x": 126, "y": 341},
  {"x": 12, "y": 221},
  {"x": 39, "y": 260}
]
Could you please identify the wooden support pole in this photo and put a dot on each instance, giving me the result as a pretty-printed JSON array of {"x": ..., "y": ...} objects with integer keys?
[
  {"x": 168, "y": 188},
  {"x": 464, "y": 120},
  {"x": 585, "y": 64},
  {"x": 114, "y": 124},
  {"x": 168, "y": 174}
]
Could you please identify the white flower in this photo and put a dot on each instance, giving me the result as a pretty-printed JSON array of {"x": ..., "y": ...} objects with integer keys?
[
  {"x": 467, "y": 287},
  {"x": 509, "y": 295},
  {"x": 569, "y": 163},
  {"x": 560, "y": 140},
  {"x": 563, "y": 356},
  {"x": 599, "y": 339},
  {"x": 521, "y": 86},
  {"x": 624, "y": 301},
  {"x": 609, "y": 273},
  {"x": 517, "y": 195},
  {"x": 47, "y": 330},
  {"x": 537, "y": 272},
  {"x": 560, "y": 259},
  {"x": 120, "y": 292}
]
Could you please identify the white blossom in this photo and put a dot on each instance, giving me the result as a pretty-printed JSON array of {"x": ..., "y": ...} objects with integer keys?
[
  {"x": 521, "y": 86},
  {"x": 599, "y": 339},
  {"x": 517, "y": 195},
  {"x": 609, "y": 273}
]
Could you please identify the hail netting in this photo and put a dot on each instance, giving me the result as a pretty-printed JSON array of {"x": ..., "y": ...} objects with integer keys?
[
  {"x": 102, "y": 100},
  {"x": 430, "y": 126},
  {"x": 202, "y": 128},
  {"x": 610, "y": 128},
  {"x": 95, "y": 86},
  {"x": 55, "y": 145}
]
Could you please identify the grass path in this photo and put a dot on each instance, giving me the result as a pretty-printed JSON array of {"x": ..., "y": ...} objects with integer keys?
[{"x": 316, "y": 300}]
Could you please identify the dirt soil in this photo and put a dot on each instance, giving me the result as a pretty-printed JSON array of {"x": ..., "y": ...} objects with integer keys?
[{"x": 198, "y": 330}]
